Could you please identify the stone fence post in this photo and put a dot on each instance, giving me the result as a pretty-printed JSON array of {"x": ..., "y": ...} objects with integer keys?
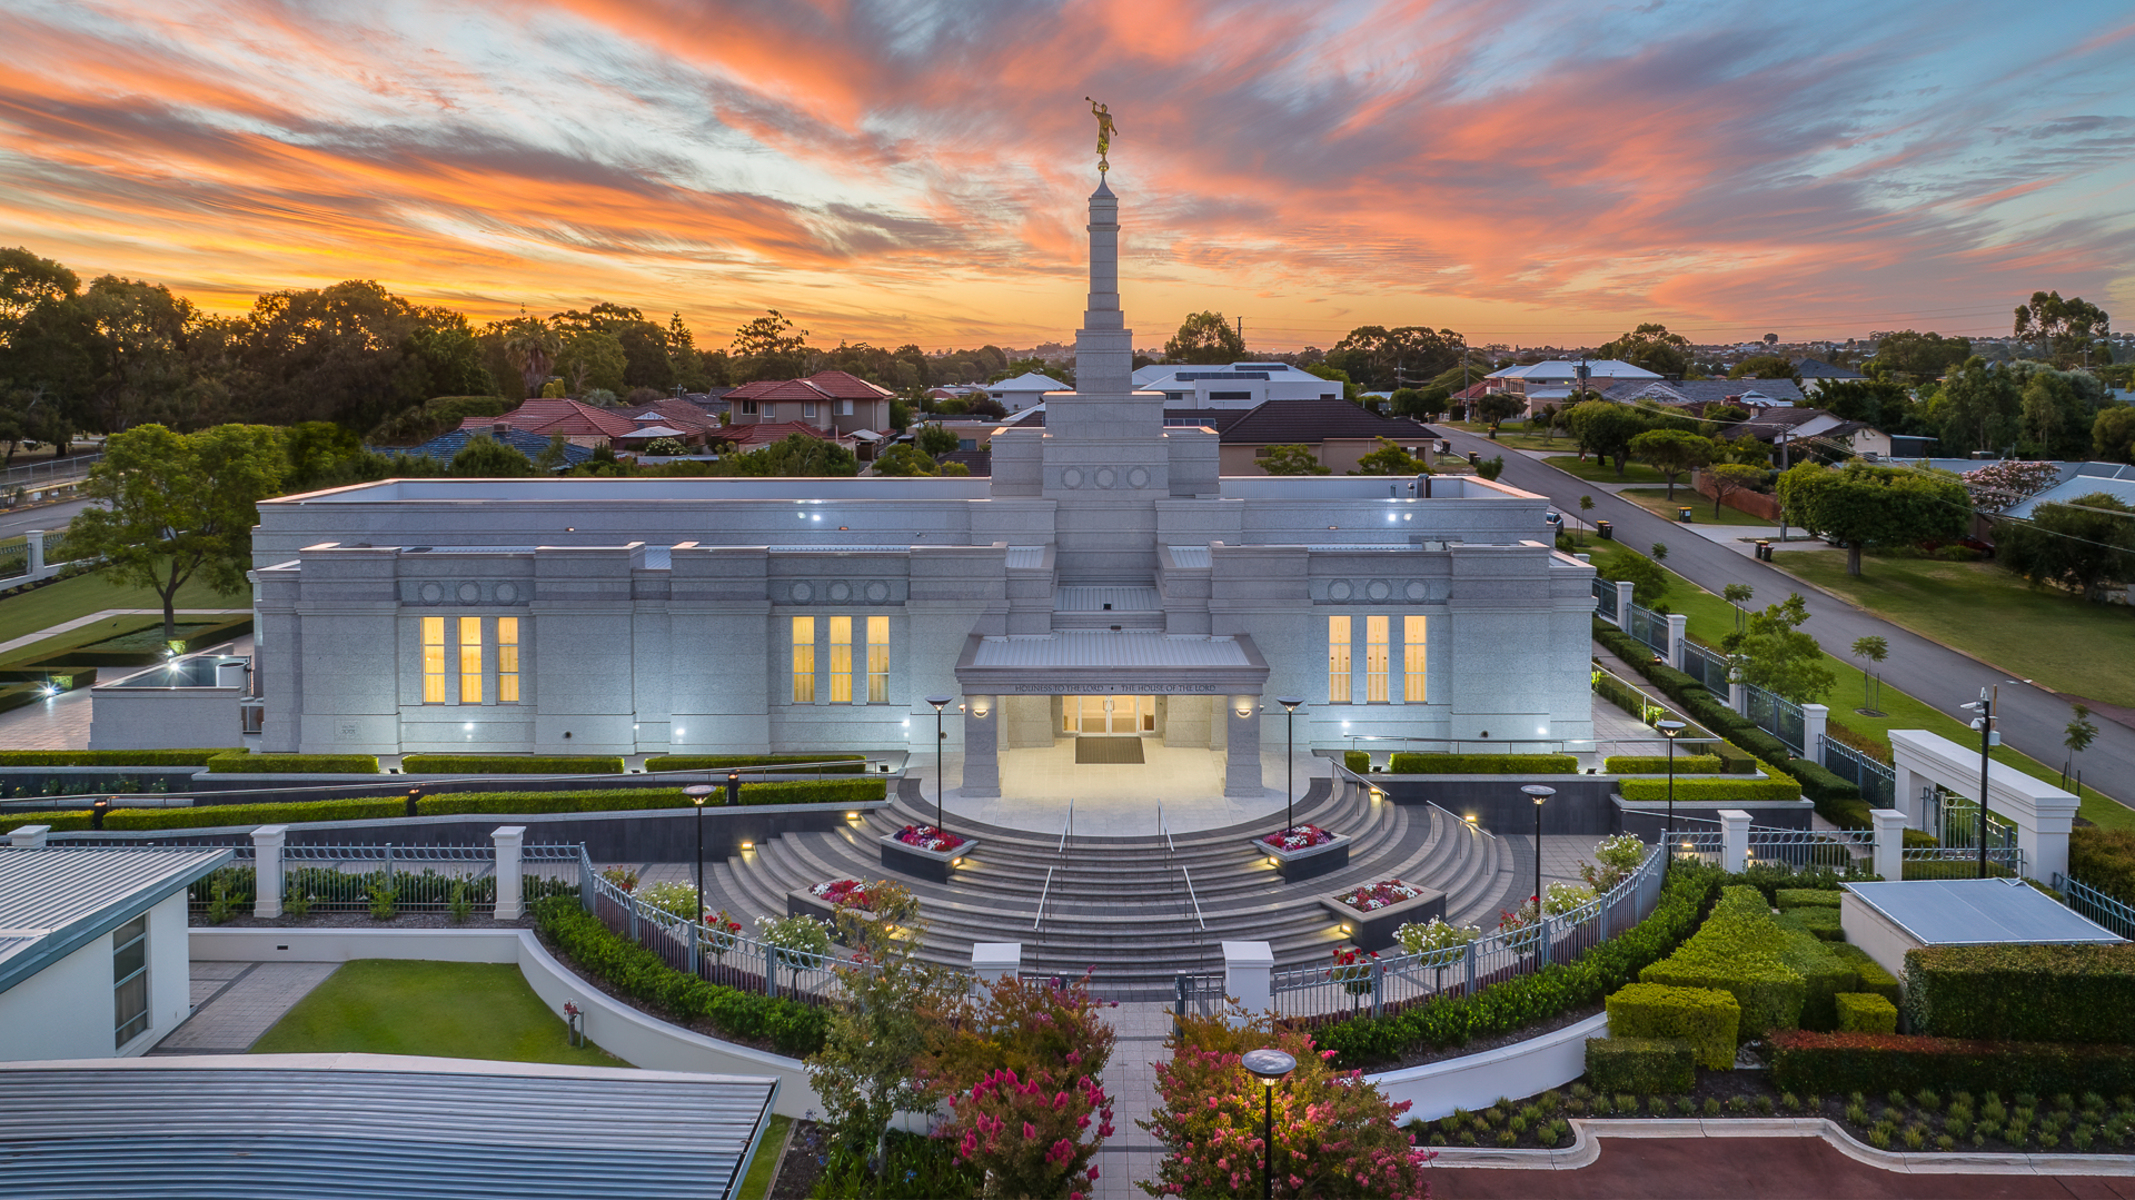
[
  {"x": 1678, "y": 637},
  {"x": 509, "y": 839},
  {"x": 1890, "y": 843},
  {"x": 1248, "y": 975},
  {"x": 995, "y": 961},
  {"x": 267, "y": 889},
  {"x": 1623, "y": 605},
  {"x": 1815, "y": 721},
  {"x": 1734, "y": 840},
  {"x": 35, "y": 537},
  {"x": 29, "y": 837}
]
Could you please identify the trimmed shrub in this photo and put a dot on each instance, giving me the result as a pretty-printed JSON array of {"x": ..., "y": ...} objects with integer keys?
[
  {"x": 1877, "y": 1063},
  {"x": 111, "y": 758},
  {"x": 1704, "y": 1019},
  {"x": 1483, "y": 764},
  {"x": 1820, "y": 922},
  {"x": 2023, "y": 993},
  {"x": 1738, "y": 950},
  {"x": 1823, "y": 974},
  {"x": 2104, "y": 859},
  {"x": 839, "y": 764},
  {"x": 1499, "y": 1008},
  {"x": 241, "y": 763},
  {"x": 788, "y": 1026},
  {"x": 1642, "y": 1066},
  {"x": 1785, "y": 898},
  {"x": 1711, "y": 789},
  {"x": 1866, "y": 1012},
  {"x": 512, "y": 764},
  {"x": 1872, "y": 975},
  {"x": 1357, "y": 760},
  {"x": 1657, "y": 764},
  {"x": 214, "y": 815}
]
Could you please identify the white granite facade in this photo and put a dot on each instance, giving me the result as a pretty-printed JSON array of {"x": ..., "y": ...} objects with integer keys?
[{"x": 1105, "y": 556}]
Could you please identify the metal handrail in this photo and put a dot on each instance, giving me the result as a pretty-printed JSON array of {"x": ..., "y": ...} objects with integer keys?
[
  {"x": 1043, "y": 892},
  {"x": 1200, "y": 924},
  {"x": 1067, "y": 826}
]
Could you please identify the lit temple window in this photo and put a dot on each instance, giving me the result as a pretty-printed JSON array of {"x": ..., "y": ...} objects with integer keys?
[
  {"x": 841, "y": 660},
  {"x": 1412, "y": 660},
  {"x": 507, "y": 660},
  {"x": 433, "y": 660},
  {"x": 804, "y": 660},
  {"x": 470, "y": 660},
  {"x": 1377, "y": 658},
  {"x": 1338, "y": 659},
  {"x": 878, "y": 660}
]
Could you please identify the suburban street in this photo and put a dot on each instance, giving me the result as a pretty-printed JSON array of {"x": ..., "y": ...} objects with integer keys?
[
  {"x": 2032, "y": 719},
  {"x": 51, "y": 518}
]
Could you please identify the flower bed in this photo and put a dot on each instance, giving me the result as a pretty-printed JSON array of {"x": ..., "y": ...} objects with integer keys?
[
  {"x": 1373, "y": 913},
  {"x": 845, "y": 893},
  {"x": 1379, "y": 895},
  {"x": 924, "y": 852},
  {"x": 1304, "y": 851},
  {"x": 1298, "y": 837},
  {"x": 926, "y": 837}
]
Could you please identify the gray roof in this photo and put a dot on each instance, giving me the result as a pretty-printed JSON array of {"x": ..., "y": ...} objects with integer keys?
[
  {"x": 1106, "y": 648},
  {"x": 1978, "y": 912},
  {"x": 1704, "y": 391},
  {"x": 1816, "y": 368},
  {"x": 374, "y": 1126},
  {"x": 55, "y": 901},
  {"x": 2074, "y": 488}
]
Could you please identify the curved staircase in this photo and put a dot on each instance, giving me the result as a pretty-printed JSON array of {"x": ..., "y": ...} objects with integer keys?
[{"x": 1121, "y": 905}]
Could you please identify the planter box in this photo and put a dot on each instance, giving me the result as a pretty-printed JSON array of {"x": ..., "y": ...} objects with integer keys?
[
  {"x": 1374, "y": 930},
  {"x": 922, "y": 864},
  {"x": 1294, "y": 865},
  {"x": 801, "y": 902}
]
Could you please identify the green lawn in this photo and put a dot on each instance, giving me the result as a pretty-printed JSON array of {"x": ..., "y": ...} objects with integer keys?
[
  {"x": 44, "y": 607},
  {"x": 1656, "y": 501},
  {"x": 2062, "y": 641},
  {"x": 757, "y": 1184},
  {"x": 449, "y": 1010},
  {"x": 1596, "y": 471},
  {"x": 1515, "y": 436},
  {"x": 1712, "y": 618}
]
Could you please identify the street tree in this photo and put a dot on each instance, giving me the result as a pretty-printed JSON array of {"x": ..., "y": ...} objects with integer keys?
[
  {"x": 1730, "y": 478},
  {"x": 1660, "y": 552},
  {"x": 1672, "y": 452},
  {"x": 2064, "y": 328},
  {"x": 1605, "y": 430},
  {"x": 1390, "y": 459},
  {"x": 1205, "y": 338},
  {"x": 1868, "y": 506},
  {"x": 1873, "y": 649},
  {"x": 1295, "y": 459},
  {"x": 2086, "y": 545},
  {"x": 1648, "y": 581},
  {"x": 2113, "y": 434},
  {"x": 1774, "y": 654},
  {"x": 2081, "y": 732},
  {"x": 177, "y": 506},
  {"x": 1738, "y": 594},
  {"x": 1651, "y": 346},
  {"x": 485, "y": 458},
  {"x": 1499, "y": 407}
]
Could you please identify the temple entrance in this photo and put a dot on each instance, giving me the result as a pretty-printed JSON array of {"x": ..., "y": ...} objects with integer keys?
[{"x": 1107, "y": 716}]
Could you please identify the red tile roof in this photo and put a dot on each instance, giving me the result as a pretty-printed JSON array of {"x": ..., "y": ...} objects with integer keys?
[
  {"x": 841, "y": 385},
  {"x": 679, "y": 413},
  {"x": 747, "y": 436},
  {"x": 549, "y": 417}
]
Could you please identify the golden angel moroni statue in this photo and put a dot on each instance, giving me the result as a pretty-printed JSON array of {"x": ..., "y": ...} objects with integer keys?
[{"x": 1105, "y": 130}]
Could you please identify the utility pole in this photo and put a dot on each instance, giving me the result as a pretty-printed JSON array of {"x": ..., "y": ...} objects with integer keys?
[{"x": 1241, "y": 333}]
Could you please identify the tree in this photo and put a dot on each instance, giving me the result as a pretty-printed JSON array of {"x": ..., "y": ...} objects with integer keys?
[
  {"x": 1605, "y": 430},
  {"x": 1864, "y": 506},
  {"x": 797, "y": 456},
  {"x": 1765, "y": 366},
  {"x": 176, "y": 506},
  {"x": 1648, "y": 581},
  {"x": 1381, "y": 359},
  {"x": 665, "y": 447},
  {"x": 1872, "y": 402},
  {"x": 1390, "y": 459},
  {"x": 553, "y": 456},
  {"x": 591, "y": 359},
  {"x": 2113, "y": 434},
  {"x": 1875, "y": 650},
  {"x": 531, "y": 345},
  {"x": 1406, "y": 402},
  {"x": 769, "y": 347},
  {"x": 484, "y": 458},
  {"x": 1774, "y": 654},
  {"x": 684, "y": 360},
  {"x": 1917, "y": 356},
  {"x": 1293, "y": 460},
  {"x": 1660, "y": 552},
  {"x": 1205, "y": 337},
  {"x": 1672, "y": 452},
  {"x": 2086, "y": 545},
  {"x": 936, "y": 441},
  {"x": 1978, "y": 406},
  {"x": 1492, "y": 467},
  {"x": 1738, "y": 594},
  {"x": 647, "y": 356},
  {"x": 2053, "y": 417},
  {"x": 1498, "y": 407},
  {"x": 1651, "y": 346},
  {"x": 2064, "y": 328},
  {"x": 904, "y": 460},
  {"x": 1350, "y": 391},
  {"x": 2081, "y": 732},
  {"x": 1729, "y": 478},
  {"x": 139, "y": 335}
]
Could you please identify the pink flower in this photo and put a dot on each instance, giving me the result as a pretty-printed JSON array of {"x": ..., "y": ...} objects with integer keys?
[{"x": 1030, "y": 1131}]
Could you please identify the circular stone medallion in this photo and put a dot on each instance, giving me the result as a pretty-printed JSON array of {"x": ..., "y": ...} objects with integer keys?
[
  {"x": 840, "y": 592},
  {"x": 470, "y": 593},
  {"x": 1340, "y": 590},
  {"x": 1378, "y": 589},
  {"x": 1072, "y": 477},
  {"x": 1138, "y": 478},
  {"x": 1106, "y": 477},
  {"x": 1416, "y": 591},
  {"x": 803, "y": 592},
  {"x": 432, "y": 593},
  {"x": 877, "y": 591},
  {"x": 507, "y": 593}
]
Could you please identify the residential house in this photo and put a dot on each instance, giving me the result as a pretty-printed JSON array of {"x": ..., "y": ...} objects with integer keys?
[
  {"x": 580, "y": 424},
  {"x": 1743, "y": 393},
  {"x": 1795, "y": 430},
  {"x": 1555, "y": 381},
  {"x": 1338, "y": 432},
  {"x": 1815, "y": 373},
  {"x": 1024, "y": 391},
  {"x": 833, "y": 402},
  {"x": 1240, "y": 385},
  {"x": 446, "y": 445}
]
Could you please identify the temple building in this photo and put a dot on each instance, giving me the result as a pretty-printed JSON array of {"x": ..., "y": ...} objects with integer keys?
[{"x": 1107, "y": 580}]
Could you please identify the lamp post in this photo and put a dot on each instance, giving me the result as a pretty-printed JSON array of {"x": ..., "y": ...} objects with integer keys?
[
  {"x": 939, "y": 703},
  {"x": 1670, "y": 730},
  {"x": 415, "y": 797},
  {"x": 1540, "y": 795},
  {"x": 1289, "y": 807},
  {"x": 698, "y": 793},
  {"x": 1270, "y": 1067},
  {"x": 1985, "y": 722}
]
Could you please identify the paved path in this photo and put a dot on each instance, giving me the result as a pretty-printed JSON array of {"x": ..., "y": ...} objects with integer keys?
[
  {"x": 62, "y": 722},
  {"x": 1130, "y": 1154},
  {"x": 1697, "y": 1168},
  {"x": 234, "y": 1003},
  {"x": 2033, "y": 719}
]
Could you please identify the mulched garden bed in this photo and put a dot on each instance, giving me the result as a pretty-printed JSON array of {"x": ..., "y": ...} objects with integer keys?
[
  {"x": 1922, "y": 1122},
  {"x": 703, "y": 1026},
  {"x": 806, "y": 1147}
]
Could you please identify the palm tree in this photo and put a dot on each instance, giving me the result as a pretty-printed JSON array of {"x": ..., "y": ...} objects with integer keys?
[{"x": 531, "y": 345}]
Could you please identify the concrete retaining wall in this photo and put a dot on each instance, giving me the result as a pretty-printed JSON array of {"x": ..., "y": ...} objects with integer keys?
[{"x": 1474, "y": 1081}]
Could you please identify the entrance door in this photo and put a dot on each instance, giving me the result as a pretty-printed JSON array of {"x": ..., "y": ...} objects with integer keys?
[{"x": 1097, "y": 716}]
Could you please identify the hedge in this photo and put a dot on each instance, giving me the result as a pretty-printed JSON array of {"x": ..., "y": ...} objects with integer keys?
[
  {"x": 511, "y": 764},
  {"x": 1873, "y": 977},
  {"x": 1357, "y": 760},
  {"x": 2104, "y": 859},
  {"x": 842, "y": 764},
  {"x": 1877, "y": 1063},
  {"x": 790, "y": 1027},
  {"x": 1704, "y": 1019},
  {"x": 1738, "y": 950},
  {"x": 1482, "y": 764},
  {"x": 1866, "y": 1012},
  {"x": 1806, "y": 898},
  {"x": 1819, "y": 922},
  {"x": 1642, "y": 1066},
  {"x": 1452, "y": 1020},
  {"x": 109, "y": 758},
  {"x": 829, "y": 791},
  {"x": 1657, "y": 764},
  {"x": 240, "y": 763},
  {"x": 2023, "y": 993},
  {"x": 1707, "y": 788}
]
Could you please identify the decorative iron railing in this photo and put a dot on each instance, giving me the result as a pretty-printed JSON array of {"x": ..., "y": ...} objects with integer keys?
[
  {"x": 1878, "y": 783},
  {"x": 1605, "y": 600},
  {"x": 1708, "y": 668},
  {"x": 1776, "y": 715},
  {"x": 2099, "y": 907},
  {"x": 1648, "y": 627}
]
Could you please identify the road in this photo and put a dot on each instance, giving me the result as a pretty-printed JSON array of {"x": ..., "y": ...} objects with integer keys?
[
  {"x": 2032, "y": 719},
  {"x": 51, "y": 518}
]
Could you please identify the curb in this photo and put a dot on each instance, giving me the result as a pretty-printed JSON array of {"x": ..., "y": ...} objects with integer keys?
[{"x": 1585, "y": 1149}]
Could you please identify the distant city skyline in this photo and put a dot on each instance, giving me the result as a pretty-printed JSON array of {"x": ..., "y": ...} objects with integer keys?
[{"x": 908, "y": 172}]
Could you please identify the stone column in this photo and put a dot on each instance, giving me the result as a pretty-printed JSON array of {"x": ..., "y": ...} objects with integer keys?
[
  {"x": 1890, "y": 843},
  {"x": 29, "y": 837},
  {"x": 1623, "y": 605},
  {"x": 1734, "y": 840},
  {"x": 994, "y": 961},
  {"x": 1678, "y": 634},
  {"x": 35, "y": 538},
  {"x": 1248, "y": 970},
  {"x": 2042, "y": 824},
  {"x": 510, "y": 892},
  {"x": 1815, "y": 720},
  {"x": 1241, "y": 756},
  {"x": 267, "y": 886},
  {"x": 1738, "y": 698},
  {"x": 982, "y": 746}
]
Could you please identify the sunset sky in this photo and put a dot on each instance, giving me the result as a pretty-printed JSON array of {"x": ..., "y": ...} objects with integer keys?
[{"x": 908, "y": 171}]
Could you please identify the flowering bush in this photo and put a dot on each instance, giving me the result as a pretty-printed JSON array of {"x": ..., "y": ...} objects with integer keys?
[
  {"x": 1352, "y": 969},
  {"x": 1298, "y": 837},
  {"x": 722, "y": 930},
  {"x": 1335, "y": 1134},
  {"x": 926, "y": 837},
  {"x": 674, "y": 899},
  {"x": 795, "y": 938},
  {"x": 1030, "y": 1136},
  {"x": 1435, "y": 935},
  {"x": 2003, "y": 484},
  {"x": 1562, "y": 898},
  {"x": 845, "y": 893},
  {"x": 1615, "y": 858},
  {"x": 1379, "y": 895},
  {"x": 623, "y": 878}
]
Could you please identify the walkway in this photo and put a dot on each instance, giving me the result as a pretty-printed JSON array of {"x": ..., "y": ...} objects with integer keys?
[
  {"x": 1130, "y": 1154},
  {"x": 62, "y": 722},
  {"x": 1114, "y": 800},
  {"x": 235, "y": 1003},
  {"x": 2033, "y": 719}
]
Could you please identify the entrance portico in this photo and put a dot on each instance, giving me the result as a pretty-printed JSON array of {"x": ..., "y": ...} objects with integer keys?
[{"x": 1190, "y": 691}]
